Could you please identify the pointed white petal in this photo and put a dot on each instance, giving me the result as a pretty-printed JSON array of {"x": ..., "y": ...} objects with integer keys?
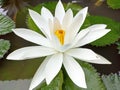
[
  {"x": 74, "y": 71},
  {"x": 39, "y": 75},
  {"x": 46, "y": 14},
  {"x": 97, "y": 26},
  {"x": 87, "y": 55},
  {"x": 32, "y": 36},
  {"x": 59, "y": 11},
  {"x": 77, "y": 22},
  {"x": 92, "y": 36},
  {"x": 80, "y": 35},
  {"x": 100, "y": 60},
  {"x": 83, "y": 32},
  {"x": 40, "y": 22},
  {"x": 51, "y": 27},
  {"x": 67, "y": 20},
  {"x": 53, "y": 67},
  {"x": 30, "y": 52},
  {"x": 82, "y": 54},
  {"x": 84, "y": 13},
  {"x": 56, "y": 43},
  {"x": 57, "y": 25}
]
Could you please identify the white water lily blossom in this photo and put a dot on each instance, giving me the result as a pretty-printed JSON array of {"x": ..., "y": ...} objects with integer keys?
[{"x": 61, "y": 44}]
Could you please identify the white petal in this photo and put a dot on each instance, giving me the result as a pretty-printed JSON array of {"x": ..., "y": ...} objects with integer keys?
[
  {"x": 87, "y": 55},
  {"x": 59, "y": 11},
  {"x": 97, "y": 26},
  {"x": 32, "y": 36},
  {"x": 80, "y": 35},
  {"x": 84, "y": 13},
  {"x": 84, "y": 32},
  {"x": 100, "y": 60},
  {"x": 55, "y": 41},
  {"x": 46, "y": 14},
  {"x": 57, "y": 25},
  {"x": 92, "y": 36},
  {"x": 39, "y": 75},
  {"x": 82, "y": 54},
  {"x": 77, "y": 22},
  {"x": 53, "y": 67},
  {"x": 67, "y": 20},
  {"x": 64, "y": 48},
  {"x": 74, "y": 71},
  {"x": 51, "y": 27},
  {"x": 40, "y": 22},
  {"x": 30, "y": 52}
]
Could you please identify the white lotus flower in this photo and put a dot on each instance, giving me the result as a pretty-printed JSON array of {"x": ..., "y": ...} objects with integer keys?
[{"x": 61, "y": 44}]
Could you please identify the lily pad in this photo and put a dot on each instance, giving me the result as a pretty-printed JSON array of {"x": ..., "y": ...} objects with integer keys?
[
  {"x": 4, "y": 47},
  {"x": 6, "y": 25},
  {"x": 56, "y": 84},
  {"x": 114, "y": 4},
  {"x": 112, "y": 81}
]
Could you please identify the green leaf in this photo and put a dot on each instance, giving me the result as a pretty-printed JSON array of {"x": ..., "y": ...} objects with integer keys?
[
  {"x": 112, "y": 81},
  {"x": 109, "y": 38},
  {"x": 4, "y": 47},
  {"x": 51, "y": 6},
  {"x": 6, "y": 24},
  {"x": 93, "y": 79},
  {"x": 114, "y": 4},
  {"x": 56, "y": 84}
]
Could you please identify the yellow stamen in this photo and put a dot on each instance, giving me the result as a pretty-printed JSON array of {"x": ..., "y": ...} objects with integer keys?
[{"x": 60, "y": 35}]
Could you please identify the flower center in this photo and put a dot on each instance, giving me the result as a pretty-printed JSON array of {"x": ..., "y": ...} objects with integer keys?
[{"x": 60, "y": 35}]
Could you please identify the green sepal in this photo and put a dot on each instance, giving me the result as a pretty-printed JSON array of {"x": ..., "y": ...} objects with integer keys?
[
  {"x": 93, "y": 79},
  {"x": 112, "y": 81},
  {"x": 110, "y": 37},
  {"x": 4, "y": 47},
  {"x": 6, "y": 24},
  {"x": 56, "y": 84}
]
